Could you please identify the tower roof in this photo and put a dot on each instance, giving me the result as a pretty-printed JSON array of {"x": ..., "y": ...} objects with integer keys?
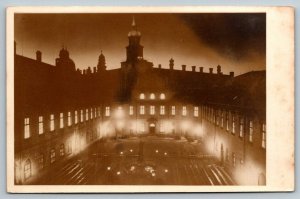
[{"x": 134, "y": 32}]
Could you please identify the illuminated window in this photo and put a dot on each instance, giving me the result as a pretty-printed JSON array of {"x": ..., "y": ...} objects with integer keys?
[
  {"x": 152, "y": 96},
  {"x": 41, "y": 125},
  {"x": 152, "y": 110},
  {"x": 130, "y": 110},
  {"x": 99, "y": 111},
  {"x": 162, "y": 96},
  {"x": 27, "y": 169},
  {"x": 217, "y": 118},
  {"x": 62, "y": 150},
  {"x": 222, "y": 119},
  {"x": 86, "y": 114},
  {"x": 241, "y": 127},
  {"x": 196, "y": 111},
  {"x": 142, "y": 96},
  {"x": 61, "y": 120},
  {"x": 251, "y": 131},
  {"x": 162, "y": 110},
  {"x": 26, "y": 128},
  {"x": 233, "y": 125},
  {"x": 91, "y": 113},
  {"x": 52, "y": 127},
  {"x": 107, "y": 111},
  {"x": 143, "y": 127},
  {"x": 69, "y": 119},
  {"x": 173, "y": 110},
  {"x": 52, "y": 156},
  {"x": 263, "y": 141},
  {"x": 184, "y": 110},
  {"x": 142, "y": 110},
  {"x": 81, "y": 115},
  {"x": 76, "y": 117},
  {"x": 227, "y": 121},
  {"x": 233, "y": 159},
  {"x": 41, "y": 161},
  {"x": 95, "y": 112}
]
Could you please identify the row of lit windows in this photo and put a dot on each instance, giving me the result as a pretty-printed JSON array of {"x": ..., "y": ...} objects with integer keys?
[
  {"x": 217, "y": 117},
  {"x": 89, "y": 114},
  {"x": 152, "y": 96}
]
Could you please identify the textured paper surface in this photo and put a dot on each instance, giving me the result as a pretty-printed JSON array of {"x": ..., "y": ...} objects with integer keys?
[{"x": 280, "y": 99}]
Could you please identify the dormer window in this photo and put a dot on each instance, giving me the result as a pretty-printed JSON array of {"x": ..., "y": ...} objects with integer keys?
[
  {"x": 142, "y": 96},
  {"x": 162, "y": 96},
  {"x": 152, "y": 96}
]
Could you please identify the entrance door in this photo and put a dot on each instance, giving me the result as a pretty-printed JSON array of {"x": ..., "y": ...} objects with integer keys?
[{"x": 152, "y": 128}]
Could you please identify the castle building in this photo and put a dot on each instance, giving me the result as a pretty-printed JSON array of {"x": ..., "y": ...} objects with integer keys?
[{"x": 59, "y": 110}]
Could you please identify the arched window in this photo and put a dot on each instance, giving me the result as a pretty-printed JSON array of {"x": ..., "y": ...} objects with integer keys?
[
  {"x": 162, "y": 96},
  {"x": 152, "y": 96},
  {"x": 142, "y": 96},
  {"x": 27, "y": 169}
]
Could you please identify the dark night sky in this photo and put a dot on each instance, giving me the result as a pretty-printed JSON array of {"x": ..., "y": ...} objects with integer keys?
[{"x": 235, "y": 41}]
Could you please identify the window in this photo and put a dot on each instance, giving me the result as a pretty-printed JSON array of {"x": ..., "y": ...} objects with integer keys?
[
  {"x": 86, "y": 114},
  {"x": 91, "y": 113},
  {"x": 61, "y": 120},
  {"x": 27, "y": 169},
  {"x": 184, "y": 110},
  {"x": 227, "y": 121},
  {"x": 69, "y": 147},
  {"x": 130, "y": 110},
  {"x": 233, "y": 124},
  {"x": 26, "y": 128},
  {"x": 173, "y": 110},
  {"x": 76, "y": 117},
  {"x": 62, "y": 150},
  {"x": 217, "y": 118},
  {"x": 152, "y": 110},
  {"x": 142, "y": 110},
  {"x": 107, "y": 111},
  {"x": 196, "y": 111},
  {"x": 98, "y": 111},
  {"x": 143, "y": 127},
  {"x": 41, "y": 125},
  {"x": 52, "y": 156},
  {"x": 69, "y": 119},
  {"x": 233, "y": 159},
  {"x": 241, "y": 127},
  {"x": 162, "y": 96},
  {"x": 152, "y": 96},
  {"x": 81, "y": 115},
  {"x": 162, "y": 110},
  {"x": 263, "y": 141},
  {"x": 52, "y": 126},
  {"x": 95, "y": 112},
  {"x": 251, "y": 131},
  {"x": 142, "y": 96},
  {"x": 41, "y": 161},
  {"x": 222, "y": 119}
]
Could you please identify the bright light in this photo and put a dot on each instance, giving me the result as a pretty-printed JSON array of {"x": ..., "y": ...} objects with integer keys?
[
  {"x": 156, "y": 151},
  {"x": 153, "y": 174},
  {"x": 166, "y": 153},
  {"x": 118, "y": 173},
  {"x": 166, "y": 170},
  {"x": 131, "y": 150},
  {"x": 121, "y": 152},
  {"x": 108, "y": 168},
  {"x": 132, "y": 168}
]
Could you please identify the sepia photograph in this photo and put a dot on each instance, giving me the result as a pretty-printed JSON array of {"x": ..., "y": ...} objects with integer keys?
[{"x": 140, "y": 98}]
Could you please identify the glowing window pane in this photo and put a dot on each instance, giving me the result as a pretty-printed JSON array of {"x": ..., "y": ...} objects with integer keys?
[
  {"x": 52, "y": 127},
  {"x": 41, "y": 125},
  {"x": 152, "y": 96},
  {"x": 130, "y": 110},
  {"x": 152, "y": 110},
  {"x": 91, "y": 113},
  {"x": 27, "y": 169},
  {"x": 196, "y": 111},
  {"x": 142, "y": 110},
  {"x": 62, "y": 150},
  {"x": 107, "y": 111},
  {"x": 162, "y": 110},
  {"x": 241, "y": 127},
  {"x": 81, "y": 115},
  {"x": 26, "y": 128},
  {"x": 142, "y": 96},
  {"x": 86, "y": 114},
  {"x": 184, "y": 110},
  {"x": 76, "y": 117},
  {"x": 173, "y": 110},
  {"x": 233, "y": 125},
  {"x": 61, "y": 120},
  {"x": 162, "y": 96},
  {"x": 251, "y": 131},
  {"x": 52, "y": 156},
  {"x": 69, "y": 119}
]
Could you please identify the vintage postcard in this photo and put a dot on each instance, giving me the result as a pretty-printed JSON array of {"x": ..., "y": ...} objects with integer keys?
[{"x": 150, "y": 99}]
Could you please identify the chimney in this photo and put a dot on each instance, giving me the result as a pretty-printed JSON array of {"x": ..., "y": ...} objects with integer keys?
[
  {"x": 193, "y": 68},
  {"x": 159, "y": 65},
  {"x": 171, "y": 64},
  {"x": 38, "y": 56},
  {"x": 231, "y": 74},
  {"x": 183, "y": 67},
  {"x": 201, "y": 69},
  {"x": 219, "y": 69},
  {"x": 94, "y": 70},
  {"x": 210, "y": 70}
]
